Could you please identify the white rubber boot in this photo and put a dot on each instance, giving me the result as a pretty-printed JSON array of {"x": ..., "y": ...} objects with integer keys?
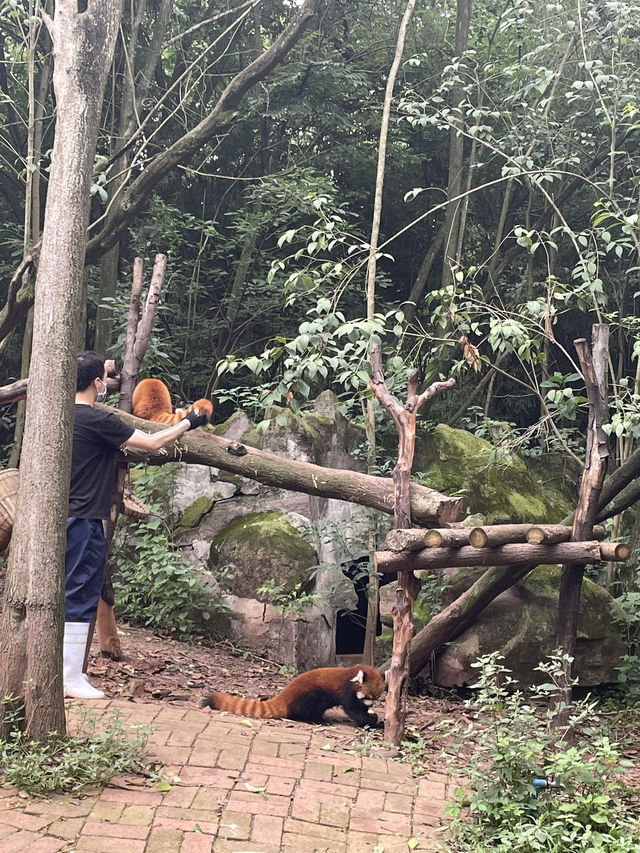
[{"x": 75, "y": 682}]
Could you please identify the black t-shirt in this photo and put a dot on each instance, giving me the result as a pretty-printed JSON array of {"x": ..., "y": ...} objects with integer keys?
[{"x": 96, "y": 437}]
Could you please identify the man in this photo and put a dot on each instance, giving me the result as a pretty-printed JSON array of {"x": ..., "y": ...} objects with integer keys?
[{"x": 97, "y": 435}]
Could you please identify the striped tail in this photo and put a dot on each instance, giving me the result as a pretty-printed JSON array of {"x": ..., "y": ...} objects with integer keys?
[{"x": 255, "y": 708}]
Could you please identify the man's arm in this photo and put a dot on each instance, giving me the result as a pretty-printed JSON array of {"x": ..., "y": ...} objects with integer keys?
[{"x": 155, "y": 440}]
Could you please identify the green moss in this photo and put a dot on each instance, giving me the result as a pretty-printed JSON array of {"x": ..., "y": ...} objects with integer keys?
[
  {"x": 501, "y": 489},
  {"x": 194, "y": 513},
  {"x": 263, "y": 546}
]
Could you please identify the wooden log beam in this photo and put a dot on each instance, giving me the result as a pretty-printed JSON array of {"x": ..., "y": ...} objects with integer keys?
[
  {"x": 415, "y": 539},
  {"x": 553, "y": 533},
  {"x": 517, "y": 554},
  {"x": 14, "y": 392},
  {"x": 615, "y": 552},
  {"x": 488, "y": 536},
  {"x": 203, "y": 448}
]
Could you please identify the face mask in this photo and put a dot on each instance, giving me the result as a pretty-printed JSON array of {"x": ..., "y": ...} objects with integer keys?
[{"x": 102, "y": 395}]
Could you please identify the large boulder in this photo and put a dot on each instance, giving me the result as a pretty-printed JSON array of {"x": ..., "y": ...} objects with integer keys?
[
  {"x": 499, "y": 487},
  {"x": 262, "y": 549},
  {"x": 521, "y": 624}
]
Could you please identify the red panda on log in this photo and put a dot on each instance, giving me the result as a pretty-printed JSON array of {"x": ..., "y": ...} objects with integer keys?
[{"x": 151, "y": 400}]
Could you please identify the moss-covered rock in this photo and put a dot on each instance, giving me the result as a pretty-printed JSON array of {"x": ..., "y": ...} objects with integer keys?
[
  {"x": 260, "y": 547},
  {"x": 521, "y": 624},
  {"x": 501, "y": 489},
  {"x": 194, "y": 513}
]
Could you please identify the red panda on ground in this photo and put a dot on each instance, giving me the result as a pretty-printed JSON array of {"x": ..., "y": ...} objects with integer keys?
[
  {"x": 151, "y": 400},
  {"x": 309, "y": 695}
]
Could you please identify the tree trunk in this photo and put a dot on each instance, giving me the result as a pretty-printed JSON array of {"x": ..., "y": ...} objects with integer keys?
[
  {"x": 595, "y": 375},
  {"x": 32, "y": 617}
]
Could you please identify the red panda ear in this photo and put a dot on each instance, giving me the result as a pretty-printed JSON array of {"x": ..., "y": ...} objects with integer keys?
[{"x": 358, "y": 678}]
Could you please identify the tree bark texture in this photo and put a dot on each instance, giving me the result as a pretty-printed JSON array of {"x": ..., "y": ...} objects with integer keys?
[
  {"x": 33, "y": 613},
  {"x": 594, "y": 370},
  {"x": 203, "y": 448},
  {"x": 404, "y": 418}
]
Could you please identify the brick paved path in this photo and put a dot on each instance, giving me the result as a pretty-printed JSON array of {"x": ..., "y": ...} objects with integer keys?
[{"x": 258, "y": 787}]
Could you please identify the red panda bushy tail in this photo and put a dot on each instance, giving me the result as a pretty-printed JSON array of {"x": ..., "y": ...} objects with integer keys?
[{"x": 255, "y": 708}]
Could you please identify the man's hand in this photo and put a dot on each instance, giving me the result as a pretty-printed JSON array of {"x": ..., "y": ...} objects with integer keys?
[{"x": 196, "y": 419}]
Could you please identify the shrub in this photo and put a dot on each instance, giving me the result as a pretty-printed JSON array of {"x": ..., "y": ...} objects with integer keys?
[
  {"x": 156, "y": 586},
  {"x": 92, "y": 756},
  {"x": 579, "y": 801}
]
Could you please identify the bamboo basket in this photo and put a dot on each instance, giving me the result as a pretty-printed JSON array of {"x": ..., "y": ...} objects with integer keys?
[
  {"x": 133, "y": 507},
  {"x": 9, "y": 480}
]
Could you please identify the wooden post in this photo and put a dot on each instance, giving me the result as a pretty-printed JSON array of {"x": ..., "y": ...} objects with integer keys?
[
  {"x": 136, "y": 344},
  {"x": 404, "y": 418},
  {"x": 594, "y": 370}
]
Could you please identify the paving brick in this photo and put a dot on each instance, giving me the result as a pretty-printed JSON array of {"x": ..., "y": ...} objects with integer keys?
[
  {"x": 106, "y": 811},
  {"x": 66, "y": 828},
  {"x": 266, "y": 829},
  {"x": 209, "y": 799},
  {"x": 117, "y": 830},
  {"x": 264, "y": 747},
  {"x": 233, "y": 759},
  {"x": 387, "y": 824},
  {"x": 186, "y": 824},
  {"x": 225, "y": 845},
  {"x": 312, "y": 788},
  {"x": 20, "y": 820},
  {"x": 47, "y": 845},
  {"x": 234, "y": 824},
  {"x": 180, "y": 796},
  {"x": 197, "y": 842},
  {"x": 164, "y": 841},
  {"x": 300, "y": 843},
  {"x": 96, "y": 844},
  {"x": 400, "y": 803},
  {"x": 334, "y": 815},
  {"x": 281, "y": 786},
  {"x": 304, "y": 808},
  {"x": 54, "y": 808},
  {"x": 18, "y": 841},
  {"x": 174, "y": 755},
  {"x": 199, "y": 757},
  {"x": 318, "y": 770},
  {"x": 137, "y": 815},
  {"x": 211, "y": 778},
  {"x": 362, "y": 842},
  {"x": 313, "y": 830},
  {"x": 258, "y": 804}
]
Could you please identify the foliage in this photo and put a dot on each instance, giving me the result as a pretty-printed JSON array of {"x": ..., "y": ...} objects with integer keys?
[
  {"x": 578, "y": 800},
  {"x": 98, "y": 751},
  {"x": 629, "y": 669},
  {"x": 288, "y": 601},
  {"x": 155, "y": 585}
]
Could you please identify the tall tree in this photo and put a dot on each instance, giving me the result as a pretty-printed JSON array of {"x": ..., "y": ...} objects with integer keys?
[{"x": 33, "y": 612}]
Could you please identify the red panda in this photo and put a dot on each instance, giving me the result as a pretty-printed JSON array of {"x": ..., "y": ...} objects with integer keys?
[
  {"x": 309, "y": 695},
  {"x": 151, "y": 400}
]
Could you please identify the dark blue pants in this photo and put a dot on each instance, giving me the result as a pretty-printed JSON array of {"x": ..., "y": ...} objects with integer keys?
[{"x": 85, "y": 558}]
